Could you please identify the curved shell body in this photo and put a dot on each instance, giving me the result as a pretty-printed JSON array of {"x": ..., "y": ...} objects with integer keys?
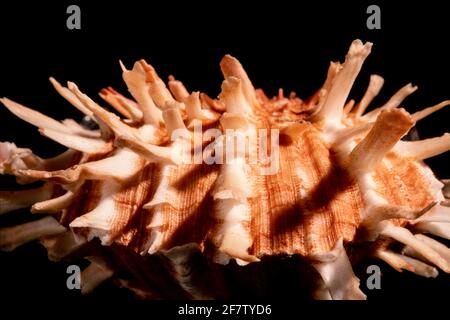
[{"x": 241, "y": 177}]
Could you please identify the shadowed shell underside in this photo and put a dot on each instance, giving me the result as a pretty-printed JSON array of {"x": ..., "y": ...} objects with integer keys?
[{"x": 172, "y": 185}]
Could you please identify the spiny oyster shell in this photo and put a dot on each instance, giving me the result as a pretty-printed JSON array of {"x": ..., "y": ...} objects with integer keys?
[{"x": 334, "y": 180}]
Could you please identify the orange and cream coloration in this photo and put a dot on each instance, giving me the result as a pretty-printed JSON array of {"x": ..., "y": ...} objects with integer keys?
[{"x": 346, "y": 187}]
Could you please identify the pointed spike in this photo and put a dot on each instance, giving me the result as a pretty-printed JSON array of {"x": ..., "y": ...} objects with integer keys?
[
  {"x": 438, "y": 247},
  {"x": 399, "y": 96},
  {"x": 33, "y": 117},
  {"x": 406, "y": 237},
  {"x": 233, "y": 98},
  {"x": 156, "y": 87},
  {"x": 390, "y": 126},
  {"x": 121, "y": 130},
  {"x": 440, "y": 229},
  {"x": 317, "y": 100},
  {"x": 394, "y": 260},
  {"x": 424, "y": 149},
  {"x": 122, "y": 66},
  {"x": 83, "y": 144},
  {"x": 54, "y": 205},
  {"x": 419, "y": 115},
  {"x": 105, "y": 132},
  {"x": 127, "y": 106},
  {"x": 331, "y": 112},
  {"x": 375, "y": 84},
  {"x": 136, "y": 83},
  {"x": 70, "y": 97},
  {"x": 393, "y": 102},
  {"x": 108, "y": 119},
  {"x": 12, "y": 237},
  {"x": 399, "y": 262},
  {"x": 87, "y": 102},
  {"x": 108, "y": 94},
  {"x": 421, "y": 268},
  {"x": 112, "y": 121},
  {"x": 14, "y": 200},
  {"x": 149, "y": 72},
  {"x": 333, "y": 69},
  {"x": 178, "y": 90},
  {"x": 231, "y": 67}
]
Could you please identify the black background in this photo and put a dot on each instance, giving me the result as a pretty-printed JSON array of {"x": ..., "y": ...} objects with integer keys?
[{"x": 281, "y": 44}]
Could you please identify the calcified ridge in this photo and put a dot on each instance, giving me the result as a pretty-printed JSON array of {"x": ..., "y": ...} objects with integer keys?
[{"x": 123, "y": 197}]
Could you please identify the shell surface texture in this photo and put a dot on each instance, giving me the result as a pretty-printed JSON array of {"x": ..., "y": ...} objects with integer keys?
[{"x": 161, "y": 190}]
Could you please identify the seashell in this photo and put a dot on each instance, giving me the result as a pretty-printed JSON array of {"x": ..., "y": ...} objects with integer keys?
[{"x": 175, "y": 185}]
